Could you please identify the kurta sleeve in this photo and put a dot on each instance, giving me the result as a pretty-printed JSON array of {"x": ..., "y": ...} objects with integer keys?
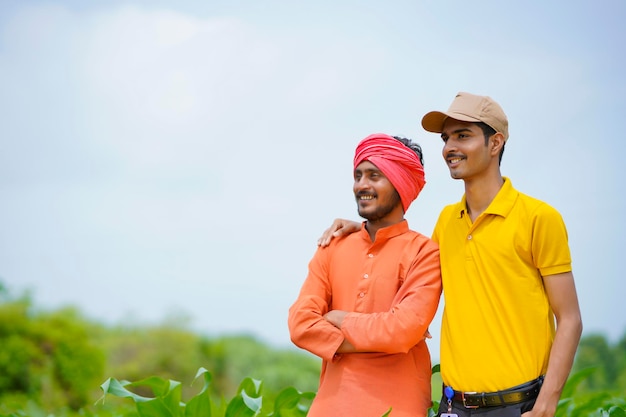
[
  {"x": 412, "y": 309},
  {"x": 307, "y": 327}
]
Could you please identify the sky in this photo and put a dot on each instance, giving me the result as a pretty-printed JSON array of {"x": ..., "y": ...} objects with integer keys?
[{"x": 177, "y": 160}]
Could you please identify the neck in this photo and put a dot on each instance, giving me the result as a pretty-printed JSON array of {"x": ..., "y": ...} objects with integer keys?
[
  {"x": 373, "y": 227},
  {"x": 480, "y": 193}
]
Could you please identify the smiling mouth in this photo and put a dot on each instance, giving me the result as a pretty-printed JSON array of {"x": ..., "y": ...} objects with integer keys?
[{"x": 455, "y": 160}]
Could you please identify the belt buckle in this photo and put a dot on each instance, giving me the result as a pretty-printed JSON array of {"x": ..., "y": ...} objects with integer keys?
[{"x": 464, "y": 400}]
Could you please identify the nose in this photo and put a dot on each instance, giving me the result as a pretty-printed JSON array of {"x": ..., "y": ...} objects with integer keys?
[
  {"x": 361, "y": 184},
  {"x": 448, "y": 146}
]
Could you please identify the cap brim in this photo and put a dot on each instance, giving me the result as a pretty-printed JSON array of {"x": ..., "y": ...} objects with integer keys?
[{"x": 433, "y": 121}]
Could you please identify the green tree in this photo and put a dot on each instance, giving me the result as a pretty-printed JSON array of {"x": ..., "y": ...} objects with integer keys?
[
  {"x": 48, "y": 358},
  {"x": 608, "y": 363}
]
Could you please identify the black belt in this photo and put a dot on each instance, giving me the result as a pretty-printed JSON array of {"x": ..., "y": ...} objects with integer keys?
[{"x": 527, "y": 391}]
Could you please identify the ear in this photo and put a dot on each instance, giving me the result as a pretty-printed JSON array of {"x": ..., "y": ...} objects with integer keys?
[{"x": 496, "y": 142}]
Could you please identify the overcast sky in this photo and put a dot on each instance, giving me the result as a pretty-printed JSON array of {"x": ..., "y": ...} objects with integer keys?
[{"x": 181, "y": 158}]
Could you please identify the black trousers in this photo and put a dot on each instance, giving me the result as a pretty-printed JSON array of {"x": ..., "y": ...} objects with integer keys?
[{"x": 500, "y": 411}]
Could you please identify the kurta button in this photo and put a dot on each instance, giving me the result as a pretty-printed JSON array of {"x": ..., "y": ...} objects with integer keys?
[
  {"x": 371, "y": 255},
  {"x": 366, "y": 276},
  {"x": 362, "y": 295},
  {"x": 469, "y": 237}
]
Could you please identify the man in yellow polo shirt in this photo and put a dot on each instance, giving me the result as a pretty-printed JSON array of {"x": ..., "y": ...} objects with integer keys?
[{"x": 511, "y": 321}]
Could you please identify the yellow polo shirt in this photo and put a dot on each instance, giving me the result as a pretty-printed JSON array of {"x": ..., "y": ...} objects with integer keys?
[{"x": 497, "y": 326}]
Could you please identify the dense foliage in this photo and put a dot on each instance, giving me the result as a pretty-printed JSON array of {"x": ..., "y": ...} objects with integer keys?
[
  {"x": 54, "y": 364},
  {"x": 57, "y": 360}
]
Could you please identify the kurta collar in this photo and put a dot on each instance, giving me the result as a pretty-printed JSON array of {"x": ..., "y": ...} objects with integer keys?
[{"x": 386, "y": 233}]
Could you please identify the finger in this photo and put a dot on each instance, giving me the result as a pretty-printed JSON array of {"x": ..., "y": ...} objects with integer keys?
[{"x": 323, "y": 241}]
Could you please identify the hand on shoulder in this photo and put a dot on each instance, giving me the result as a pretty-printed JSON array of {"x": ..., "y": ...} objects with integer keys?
[{"x": 340, "y": 227}]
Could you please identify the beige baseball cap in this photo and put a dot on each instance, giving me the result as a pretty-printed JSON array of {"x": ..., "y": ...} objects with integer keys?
[{"x": 468, "y": 107}]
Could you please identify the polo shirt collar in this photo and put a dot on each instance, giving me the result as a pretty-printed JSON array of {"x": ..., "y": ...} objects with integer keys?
[{"x": 501, "y": 205}]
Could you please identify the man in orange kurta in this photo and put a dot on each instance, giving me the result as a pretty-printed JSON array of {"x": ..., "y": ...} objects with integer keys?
[{"x": 369, "y": 297}]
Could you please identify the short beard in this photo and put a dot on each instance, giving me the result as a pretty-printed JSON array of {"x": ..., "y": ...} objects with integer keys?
[{"x": 382, "y": 211}]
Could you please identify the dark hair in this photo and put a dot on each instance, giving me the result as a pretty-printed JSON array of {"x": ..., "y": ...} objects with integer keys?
[
  {"x": 488, "y": 132},
  {"x": 413, "y": 146}
]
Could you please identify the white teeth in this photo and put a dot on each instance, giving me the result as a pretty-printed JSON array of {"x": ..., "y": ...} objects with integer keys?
[
  {"x": 366, "y": 197},
  {"x": 454, "y": 160}
]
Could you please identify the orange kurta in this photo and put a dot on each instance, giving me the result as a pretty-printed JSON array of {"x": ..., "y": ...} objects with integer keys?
[{"x": 391, "y": 289}]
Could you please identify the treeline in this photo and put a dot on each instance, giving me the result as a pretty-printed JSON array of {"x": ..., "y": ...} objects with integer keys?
[
  {"x": 607, "y": 361},
  {"x": 57, "y": 360}
]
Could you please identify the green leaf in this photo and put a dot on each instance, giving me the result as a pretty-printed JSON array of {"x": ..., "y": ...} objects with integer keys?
[
  {"x": 207, "y": 378},
  {"x": 254, "y": 403},
  {"x": 200, "y": 405},
  {"x": 156, "y": 408},
  {"x": 114, "y": 387},
  {"x": 238, "y": 408},
  {"x": 434, "y": 409},
  {"x": 616, "y": 411},
  {"x": 159, "y": 386},
  {"x": 574, "y": 380},
  {"x": 167, "y": 401},
  {"x": 436, "y": 369},
  {"x": 289, "y": 403},
  {"x": 287, "y": 399},
  {"x": 387, "y": 413},
  {"x": 248, "y": 402},
  {"x": 251, "y": 386}
]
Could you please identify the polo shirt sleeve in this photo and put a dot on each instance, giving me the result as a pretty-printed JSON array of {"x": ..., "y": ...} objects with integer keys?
[
  {"x": 411, "y": 312},
  {"x": 307, "y": 327},
  {"x": 550, "y": 245}
]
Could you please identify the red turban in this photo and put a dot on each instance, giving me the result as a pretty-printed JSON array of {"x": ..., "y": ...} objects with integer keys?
[{"x": 398, "y": 162}]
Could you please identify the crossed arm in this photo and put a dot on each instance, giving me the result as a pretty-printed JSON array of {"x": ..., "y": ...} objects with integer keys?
[
  {"x": 324, "y": 331},
  {"x": 335, "y": 317}
]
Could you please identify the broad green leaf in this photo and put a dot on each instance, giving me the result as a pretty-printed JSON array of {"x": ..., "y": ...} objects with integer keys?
[
  {"x": 436, "y": 369},
  {"x": 244, "y": 404},
  {"x": 167, "y": 392},
  {"x": 616, "y": 411},
  {"x": 114, "y": 387},
  {"x": 167, "y": 401},
  {"x": 159, "y": 386},
  {"x": 288, "y": 403},
  {"x": 251, "y": 386},
  {"x": 238, "y": 408},
  {"x": 563, "y": 406},
  {"x": 200, "y": 405},
  {"x": 286, "y": 399},
  {"x": 574, "y": 380},
  {"x": 156, "y": 408},
  {"x": 254, "y": 403},
  {"x": 207, "y": 378},
  {"x": 433, "y": 410}
]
